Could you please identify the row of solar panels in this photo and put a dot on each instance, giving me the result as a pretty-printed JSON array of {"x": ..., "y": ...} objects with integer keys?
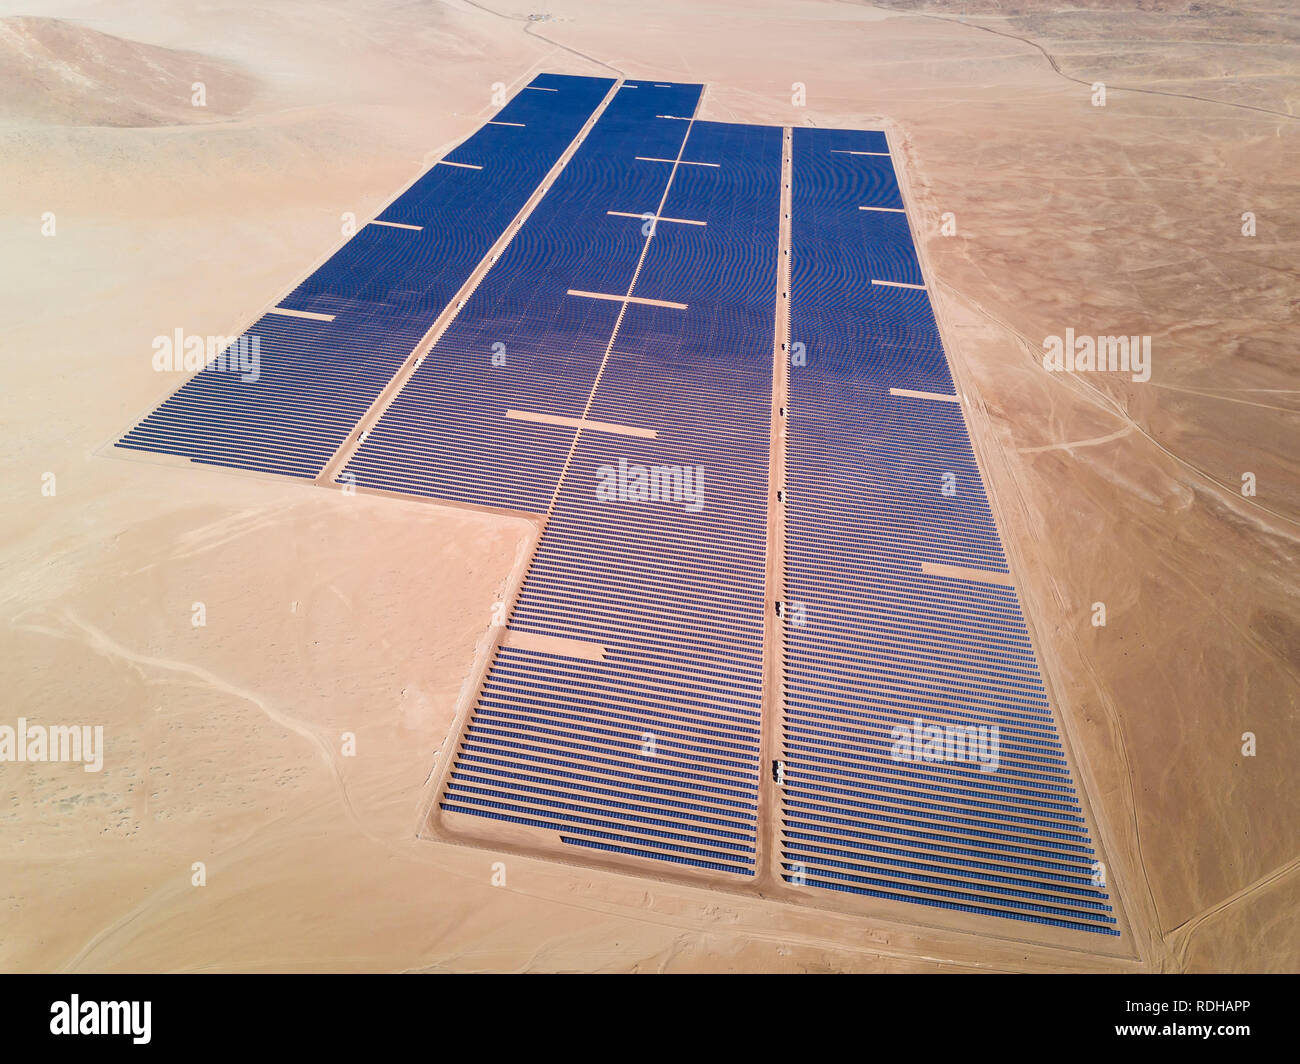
[
  {"x": 372, "y": 301},
  {"x": 878, "y": 651},
  {"x": 651, "y": 751}
]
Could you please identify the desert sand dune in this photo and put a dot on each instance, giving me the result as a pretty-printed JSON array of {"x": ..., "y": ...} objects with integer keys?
[{"x": 61, "y": 73}]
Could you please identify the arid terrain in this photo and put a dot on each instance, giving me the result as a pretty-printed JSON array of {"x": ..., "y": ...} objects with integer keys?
[{"x": 285, "y": 745}]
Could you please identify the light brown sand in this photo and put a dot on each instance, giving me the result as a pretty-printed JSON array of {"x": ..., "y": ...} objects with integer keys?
[{"x": 328, "y": 614}]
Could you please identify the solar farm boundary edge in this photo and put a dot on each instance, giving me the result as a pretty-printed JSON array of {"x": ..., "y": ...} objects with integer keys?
[
  {"x": 905, "y": 918},
  {"x": 1120, "y": 877},
  {"x": 108, "y": 448}
]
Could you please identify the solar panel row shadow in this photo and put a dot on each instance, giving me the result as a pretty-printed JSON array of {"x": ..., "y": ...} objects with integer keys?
[
  {"x": 890, "y": 673},
  {"x": 652, "y": 752},
  {"x": 371, "y": 302}
]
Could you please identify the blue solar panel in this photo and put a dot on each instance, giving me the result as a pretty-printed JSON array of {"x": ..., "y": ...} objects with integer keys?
[
  {"x": 878, "y": 485},
  {"x": 383, "y": 290},
  {"x": 521, "y": 342},
  {"x": 674, "y": 596}
]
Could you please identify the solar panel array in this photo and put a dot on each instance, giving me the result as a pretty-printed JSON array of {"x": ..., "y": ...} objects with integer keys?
[
  {"x": 627, "y": 331},
  {"x": 878, "y": 485},
  {"x": 653, "y": 752},
  {"x": 383, "y": 290},
  {"x": 521, "y": 342}
]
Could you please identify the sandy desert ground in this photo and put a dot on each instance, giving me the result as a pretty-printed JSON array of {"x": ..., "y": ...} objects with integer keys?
[{"x": 328, "y": 615}]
